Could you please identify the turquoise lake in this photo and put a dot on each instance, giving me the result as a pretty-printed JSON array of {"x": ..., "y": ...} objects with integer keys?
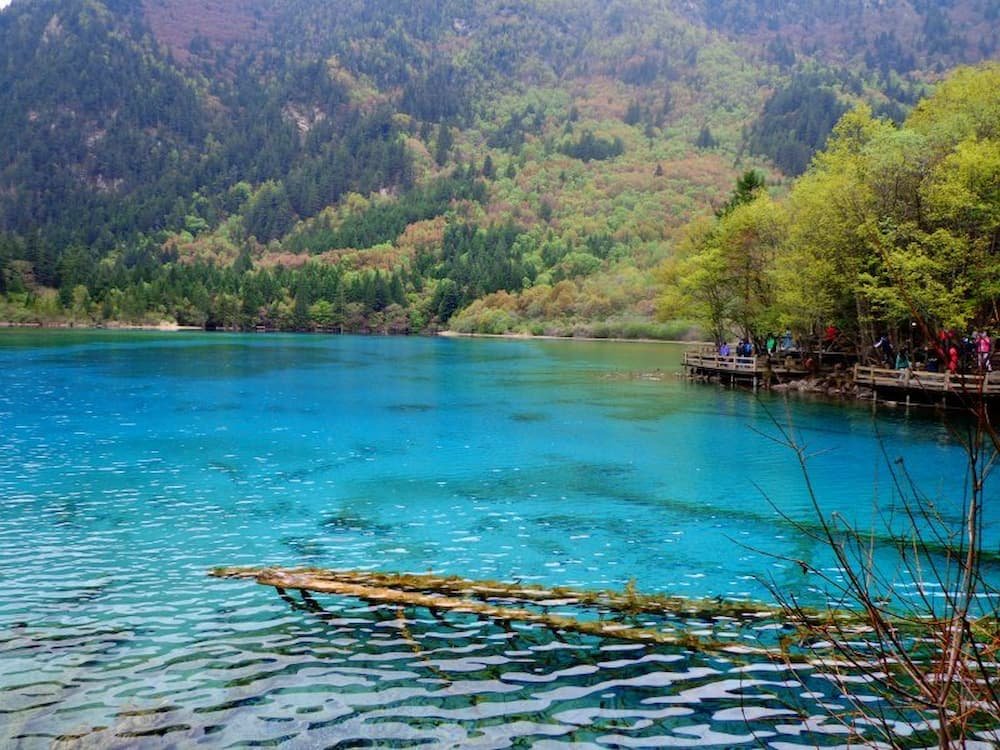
[{"x": 132, "y": 463}]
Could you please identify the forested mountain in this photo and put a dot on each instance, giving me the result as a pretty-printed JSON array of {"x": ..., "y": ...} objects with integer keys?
[{"x": 385, "y": 164}]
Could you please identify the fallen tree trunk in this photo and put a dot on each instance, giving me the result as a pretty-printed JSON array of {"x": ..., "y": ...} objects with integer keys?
[
  {"x": 628, "y": 602},
  {"x": 439, "y": 593}
]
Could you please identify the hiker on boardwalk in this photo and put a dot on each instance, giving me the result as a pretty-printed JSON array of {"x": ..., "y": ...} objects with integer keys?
[
  {"x": 830, "y": 337},
  {"x": 883, "y": 348},
  {"x": 786, "y": 340},
  {"x": 983, "y": 347},
  {"x": 952, "y": 357}
]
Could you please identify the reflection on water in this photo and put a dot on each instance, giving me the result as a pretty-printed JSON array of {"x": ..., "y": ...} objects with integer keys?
[{"x": 131, "y": 464}]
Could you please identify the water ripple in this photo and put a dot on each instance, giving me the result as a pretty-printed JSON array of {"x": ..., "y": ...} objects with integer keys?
[{"x": 129, "y": 465}]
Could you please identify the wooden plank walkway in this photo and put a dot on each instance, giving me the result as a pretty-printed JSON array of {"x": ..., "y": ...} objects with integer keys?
[
  {"x": 758, "y": 369},
  {"x": 944, "y": 383},
  {"x": 709, "y": 359}
]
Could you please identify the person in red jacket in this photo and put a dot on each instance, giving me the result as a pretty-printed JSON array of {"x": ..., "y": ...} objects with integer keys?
[{"x": 952, "y": 357}]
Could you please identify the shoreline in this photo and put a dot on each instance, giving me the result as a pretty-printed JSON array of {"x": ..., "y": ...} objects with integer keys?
[
  {"x": 166, "y": 326},
  {"x": 548, "y": 337}
]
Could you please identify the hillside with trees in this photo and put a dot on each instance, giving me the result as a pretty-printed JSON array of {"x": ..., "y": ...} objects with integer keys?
[
  {"x": 410, "y": 166},
  {"x": 893, "y": 231}
]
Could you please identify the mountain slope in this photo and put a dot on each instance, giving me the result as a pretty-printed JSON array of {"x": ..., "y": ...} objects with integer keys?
[
  {"x": 182, "y": 150},
  {"x": 898, "y": 35}
]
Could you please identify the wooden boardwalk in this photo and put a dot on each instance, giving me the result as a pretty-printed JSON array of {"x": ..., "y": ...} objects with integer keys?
[
  {"x": 754, "y": 370},
  {"x": 918, "y": 385},
  {"x": 926, "y": 383}
]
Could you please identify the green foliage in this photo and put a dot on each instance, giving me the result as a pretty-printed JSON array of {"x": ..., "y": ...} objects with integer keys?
[
  {"x": 268, "y": 214},
  {"x": 796, "y": 122},
  {"x": 142, "y": 145},
  {"x": 748, "y": 187},
  {"x": 475, "y": 262},
  {"x": 576, "y": 264},
  {"x": 942, "y": 35},
  {"x": 705, "y": 138},
  {"x": 438, "y": 95},
  {"x": 591, "y": 147},
  {"x": 384, "y": 221},
  {"x": 725, "y": 276},
  {"x": 444, "y": 143},
  {"x": 891, "y": 225}
]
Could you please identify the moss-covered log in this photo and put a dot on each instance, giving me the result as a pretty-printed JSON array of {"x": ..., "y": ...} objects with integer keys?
[
  {"x": 479, "y": 597},
  {"x": 627, "y": 602},
  {"x": 608, "y": 614}
]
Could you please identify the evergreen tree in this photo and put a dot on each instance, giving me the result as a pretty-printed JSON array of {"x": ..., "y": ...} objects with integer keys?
[
  {"x": 444, "y": 143},
  {"x": 705, "y": 138},
  {"x": 748, "y": 186}
]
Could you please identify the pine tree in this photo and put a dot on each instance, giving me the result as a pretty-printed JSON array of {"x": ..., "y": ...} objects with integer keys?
[
  {"x": 445, "y": 141},
  {"x": 705, "y": 138}
]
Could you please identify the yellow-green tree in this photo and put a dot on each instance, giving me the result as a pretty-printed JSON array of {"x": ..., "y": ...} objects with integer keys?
[
  {"x": 890, "y": 225},
  {"x": 724, "y": 275},
  {"x": 893, "y": 225},
  {"x": 826, "y": 250}
]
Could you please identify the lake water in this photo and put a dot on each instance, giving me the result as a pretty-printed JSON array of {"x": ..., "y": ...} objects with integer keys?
[{"x": 132, "y": 463}]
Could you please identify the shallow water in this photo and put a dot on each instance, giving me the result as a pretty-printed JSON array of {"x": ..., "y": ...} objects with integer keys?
[{"x": 132, "y": 463}]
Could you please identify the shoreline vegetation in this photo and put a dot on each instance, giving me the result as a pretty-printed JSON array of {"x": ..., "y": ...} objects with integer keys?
[
  {"x": 447, "y": 333},
  {"x": 67, "y": 326}
]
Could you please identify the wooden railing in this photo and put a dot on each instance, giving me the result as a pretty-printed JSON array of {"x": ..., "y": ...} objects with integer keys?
[
  {"x": 941, "y": 382},
  {"x": 710, "y": 359}
]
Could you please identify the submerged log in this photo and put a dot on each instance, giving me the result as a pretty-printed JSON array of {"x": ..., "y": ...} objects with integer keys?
[
  {"x": 627, "y": 602},
  {"x": 440, "y": 593},
  {"x": 496, "y": 600}
]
